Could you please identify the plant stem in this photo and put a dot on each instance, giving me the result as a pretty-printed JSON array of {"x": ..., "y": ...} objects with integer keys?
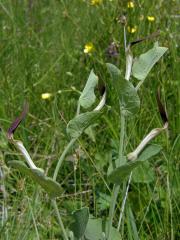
[
  {"x": 124, "y": 202},
  {"x": 59, "y": 218},
  {"x": 111, "y": 210},
  {"x": 4, "y": 196},
  {"x": 67, "y": 148},
  {"x": 121, "y": 142},
  {"x": 116, "y": 187}
]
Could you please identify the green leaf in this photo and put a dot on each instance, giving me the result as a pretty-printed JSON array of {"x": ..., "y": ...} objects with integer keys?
[
  {"x": 91, "y": 132},
  {"x": 128, "y": 97},
  {"x": 103, "y": 201},
  {"x": 78, "y": 124},
  {"x": 80, "y": 220},
  {"x": 131, "y": 223},
  {"x": 88, "y": 97},
  {"x": 48, "y": 184},
  {"x": 115, "y": 235},
  {"x": 143, "y": 174},
  {"x": 115, "y": 74},
  {"x": 120, "y": 173},
  {"x": 95, "y": 229},
  {"x": 102, "y": 159},
  {"x": 115, "y": 164},
  {"x": 144, "y": 63}
]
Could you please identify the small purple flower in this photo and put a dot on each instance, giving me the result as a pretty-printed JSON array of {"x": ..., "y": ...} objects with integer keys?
[{"x": 112, "y": 50}]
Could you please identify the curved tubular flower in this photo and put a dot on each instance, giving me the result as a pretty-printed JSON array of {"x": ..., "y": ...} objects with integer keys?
[
  {"x": 18, "y": 144},
  {"x": 102, "y": 102},
  {"x": 17, "y": 121},
  {"x": 153, "y": 133},
  {"x": 129, "y": 61},
  {"x": 129, "y": 55}
]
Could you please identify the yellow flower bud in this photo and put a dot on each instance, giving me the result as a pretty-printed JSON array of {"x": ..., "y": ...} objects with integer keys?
[
  {"x": 95, "y": 2},
  {"x": 88, "y": 48},
  {"x": 151, "y": 18},
  {"x": 46, "y": 96},
  {"x": 130, "y": 5},
  {"x": 132, "y": 29}
]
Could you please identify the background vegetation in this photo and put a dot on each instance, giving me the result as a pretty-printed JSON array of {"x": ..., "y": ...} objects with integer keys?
[{"x": 42, "y": 51}]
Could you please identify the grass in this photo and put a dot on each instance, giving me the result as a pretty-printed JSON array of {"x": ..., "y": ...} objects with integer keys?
[{"x": 41, "y": 50}]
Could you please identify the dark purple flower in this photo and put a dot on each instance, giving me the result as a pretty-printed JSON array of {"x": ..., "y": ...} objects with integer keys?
[
  {"x": 18, "y": 120},
  {"x": 162, "y": 109}
]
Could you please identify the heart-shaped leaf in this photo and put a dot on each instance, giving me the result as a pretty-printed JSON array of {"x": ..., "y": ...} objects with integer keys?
[
  {"x": 144, "y": 63},
  {"x": 80, "y": 220},
  {"x": 88, "y": 97},
  {"x": 143, "y": 174},
  {"x": 37, "y": 175},
  {"x": 120, "y": 173},
  {"x": 77, "y": 125},
  {"x": 128, "y": 97},
  {"x": 95, "y": 229}
]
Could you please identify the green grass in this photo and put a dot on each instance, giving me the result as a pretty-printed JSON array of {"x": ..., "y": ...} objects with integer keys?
[{"x": 41, "y": 50}]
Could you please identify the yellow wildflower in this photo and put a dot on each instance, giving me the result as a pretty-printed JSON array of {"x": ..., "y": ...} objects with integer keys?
[
  {"x": 130, "y": 4},
  {"x": 95, "y": 2},
  {"x": 132, "y": 29},
  {"x": 88, "y": 48},
  {"x": 46, "y": 96},
  {"x": 151, "y": 18}
]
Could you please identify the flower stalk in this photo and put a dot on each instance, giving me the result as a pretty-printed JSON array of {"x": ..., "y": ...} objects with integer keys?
[{"x": 121, "y": 143}]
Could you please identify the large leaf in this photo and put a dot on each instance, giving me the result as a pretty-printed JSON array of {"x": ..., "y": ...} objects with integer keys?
[
  {"x": 128, "y": 97},
  {"x": 143, "y": 174},
  {"x": 78, "y": 124},
  {"x": 80, "y": 220},
  {"x": 95, "y": 228},
  {"x": 120, "y": 173},
  {"x": 91, "y": 132},
  {"x": 48, "y": 184},
  {"x": 144, "y": 63},
  {"x": 115, "y": 74},
  {"x": 115, "y": 235},
  {"x": 88, "y": 97}
]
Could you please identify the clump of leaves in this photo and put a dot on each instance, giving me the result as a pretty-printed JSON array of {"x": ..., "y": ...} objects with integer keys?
[{"x": 84, "y": 225}]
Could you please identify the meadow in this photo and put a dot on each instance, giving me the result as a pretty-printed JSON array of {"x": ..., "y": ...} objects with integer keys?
[{"x": 47, "y": 52}]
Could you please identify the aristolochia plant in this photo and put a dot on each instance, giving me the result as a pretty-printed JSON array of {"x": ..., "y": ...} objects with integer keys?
[{"x": 83, "y": 225}]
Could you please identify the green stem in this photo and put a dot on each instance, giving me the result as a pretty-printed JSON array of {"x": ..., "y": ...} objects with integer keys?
[
  {"x": 124, "y": 202},
  {"x": 70, "y": 144},
  {"x": 122, "y": 135},
  {"x": 59, "y": 219},
  {"x": 139, "y": 85},
  {"x": 116, "y": 187}
]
